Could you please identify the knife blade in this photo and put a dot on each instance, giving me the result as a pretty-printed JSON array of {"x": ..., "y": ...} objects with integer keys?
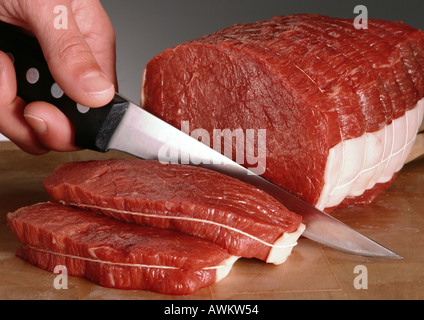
[{"x": 123, "y": 126}]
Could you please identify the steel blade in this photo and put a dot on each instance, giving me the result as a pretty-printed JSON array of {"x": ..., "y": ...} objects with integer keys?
[
  {"x": 323, "y": 228},
  {"x": 145, "y": 136}
]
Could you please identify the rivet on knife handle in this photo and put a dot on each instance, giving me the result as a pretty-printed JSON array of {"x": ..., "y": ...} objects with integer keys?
[{"x": 93, "y": 127}]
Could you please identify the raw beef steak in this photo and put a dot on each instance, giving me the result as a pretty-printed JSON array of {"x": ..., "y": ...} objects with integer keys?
[
  {"x": 117, "y": 254},
  {"x": 341, "y": 106},
  {"x": 239, "y": 217}
]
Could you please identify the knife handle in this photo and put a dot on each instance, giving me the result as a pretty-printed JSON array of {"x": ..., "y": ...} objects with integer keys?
[{"x": 94, "y": 127}]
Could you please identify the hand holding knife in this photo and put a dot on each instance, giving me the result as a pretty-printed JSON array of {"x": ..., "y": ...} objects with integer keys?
[{"x": 121, "y": 125}]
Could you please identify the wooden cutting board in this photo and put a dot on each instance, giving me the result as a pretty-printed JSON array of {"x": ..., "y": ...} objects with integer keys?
[{"x": 395, "y": 219}]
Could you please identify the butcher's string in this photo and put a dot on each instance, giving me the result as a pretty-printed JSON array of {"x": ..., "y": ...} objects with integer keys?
[
  {"x": 122, "y": 264},
  {"x": 93, "y": 207}
]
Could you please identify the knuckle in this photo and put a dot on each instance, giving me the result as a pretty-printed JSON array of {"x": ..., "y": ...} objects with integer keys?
[{"x": 73, "y": 48}]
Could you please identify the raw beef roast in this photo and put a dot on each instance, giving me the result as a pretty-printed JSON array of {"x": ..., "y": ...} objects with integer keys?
[
  {"x": 117, "y": 254},
  {"x": 341, "y": 106},
  {"x": 238, "y": 217}
]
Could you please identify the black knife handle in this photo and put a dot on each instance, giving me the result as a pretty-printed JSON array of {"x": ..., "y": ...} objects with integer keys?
[{"x": 94, "y": 127}]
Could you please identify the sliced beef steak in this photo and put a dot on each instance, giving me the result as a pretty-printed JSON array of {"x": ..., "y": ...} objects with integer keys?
[
  {"x": 117, "y": 254},
  {"x": 341, "y": 106},
  {"x": 239, "y": 217}
]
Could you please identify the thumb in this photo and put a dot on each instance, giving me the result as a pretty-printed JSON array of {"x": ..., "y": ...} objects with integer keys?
[{"x": 70, "y": 59}]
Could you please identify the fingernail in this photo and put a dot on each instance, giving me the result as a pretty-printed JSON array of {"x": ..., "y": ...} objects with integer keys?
[
  {"x": 95, "y": 83},
  {"x": 38, "y": 124}
]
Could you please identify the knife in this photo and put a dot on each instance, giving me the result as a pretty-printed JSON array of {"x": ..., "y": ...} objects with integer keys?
[{"x": 123, "y": 126}]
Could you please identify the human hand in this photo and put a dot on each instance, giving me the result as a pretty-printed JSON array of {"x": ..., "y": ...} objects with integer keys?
[{"x": 81, "y": 59}]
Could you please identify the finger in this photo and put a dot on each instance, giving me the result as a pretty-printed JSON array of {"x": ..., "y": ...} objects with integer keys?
[
  {"x": 69, "y": 56},
  {"x": 12, "y": 121},
  {"x": 99, "y": 33},
  {"x": 52, "y": 128}
]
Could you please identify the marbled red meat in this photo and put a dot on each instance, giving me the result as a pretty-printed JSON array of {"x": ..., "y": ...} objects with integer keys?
[
  {"x": 341, "y": 106},
  {"x": 239, "y": 217},
  {"x": 116, "y": 254}
]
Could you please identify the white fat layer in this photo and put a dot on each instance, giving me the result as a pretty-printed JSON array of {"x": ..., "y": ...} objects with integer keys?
[
  {"x": 283, "y": 246},
  {"x": 225, "y": 268},
  {"x": 356, "y": 165}
]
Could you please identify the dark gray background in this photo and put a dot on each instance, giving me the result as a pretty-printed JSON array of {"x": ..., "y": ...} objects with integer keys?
[{"x": 144, "y": 28}]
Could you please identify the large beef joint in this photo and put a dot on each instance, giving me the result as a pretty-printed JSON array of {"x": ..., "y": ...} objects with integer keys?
[
  {"x": 239, "y": 217},
  {"x": 117, "y": 254},
  {"x": 341, "y": 106}
]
